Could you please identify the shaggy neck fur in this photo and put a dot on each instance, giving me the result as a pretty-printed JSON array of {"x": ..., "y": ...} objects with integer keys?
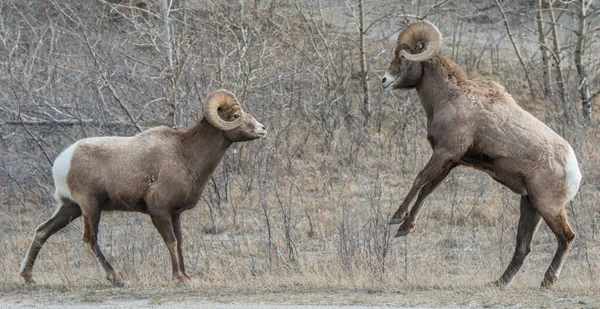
[
  {"x": 203, "y": 141},
  {"x": 440, "y": 80}
]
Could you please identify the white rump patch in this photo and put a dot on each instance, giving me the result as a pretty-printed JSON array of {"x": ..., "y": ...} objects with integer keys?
[
  {"x": 572, "y": 174},
  {"x": 60, "y": 170}
]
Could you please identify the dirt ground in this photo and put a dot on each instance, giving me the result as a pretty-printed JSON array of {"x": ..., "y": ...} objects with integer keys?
[
  {"x": 126, "y": 304},
  {"x": 184, "y": 297}
]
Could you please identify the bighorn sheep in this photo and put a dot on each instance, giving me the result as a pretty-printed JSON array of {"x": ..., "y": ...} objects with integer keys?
[
  {"x": 476, "y": 123},
  {"x": 161, "y": 172}
]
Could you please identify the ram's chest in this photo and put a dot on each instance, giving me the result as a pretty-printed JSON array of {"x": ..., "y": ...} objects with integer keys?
[{"x": 173, "y": 194}]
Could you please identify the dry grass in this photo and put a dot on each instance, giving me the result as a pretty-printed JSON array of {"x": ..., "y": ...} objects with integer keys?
[{"x": 438, "y": 263}]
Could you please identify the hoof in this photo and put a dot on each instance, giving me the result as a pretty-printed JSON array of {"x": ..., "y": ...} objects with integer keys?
[
  {"x": 118, "y": 284},
  {"x": 394, "y": 221},
  {"x": 401, "y": 234},
  {"x": 495, "y": 284},
  {"x": 115, "y": 281},
  {"x": 28, "y": 279},
  {"x": 547, "y": 283},
  {"x": 498, "y": 284},
  {"x": 182, "y": 279},
  {"x": 405, "y": 228}
]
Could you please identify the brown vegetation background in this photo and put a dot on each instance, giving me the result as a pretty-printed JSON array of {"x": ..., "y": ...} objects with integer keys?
[{"x": 306, "y": 208}]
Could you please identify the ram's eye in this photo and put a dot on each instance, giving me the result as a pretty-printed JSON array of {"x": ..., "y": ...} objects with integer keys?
[{"x": 236, "y": 116}]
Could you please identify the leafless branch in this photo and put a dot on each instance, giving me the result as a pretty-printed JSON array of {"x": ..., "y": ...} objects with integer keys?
[
  {"x": 517, "y": 52},
  {"x": 106, "y": 80}
]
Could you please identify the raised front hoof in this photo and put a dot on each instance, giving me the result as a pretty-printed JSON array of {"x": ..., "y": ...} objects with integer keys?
[
  {"x": 405, "y": 228},
  {"x": 394, "y": 221},
  {"x": 401, "y": 234},
  {"x": 116, "y": 282},
  {"x": 398, "y": 217}
]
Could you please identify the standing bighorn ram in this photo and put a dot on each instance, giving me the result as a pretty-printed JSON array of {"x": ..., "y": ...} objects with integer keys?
[
  {"x": 160, "y": 172},
  {"x": 476, "y": 123}
]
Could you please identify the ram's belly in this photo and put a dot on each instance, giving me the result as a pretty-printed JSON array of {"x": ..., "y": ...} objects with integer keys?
[
  {"x": 500, "y": 169},
  {"x": 126, "y": 204}
]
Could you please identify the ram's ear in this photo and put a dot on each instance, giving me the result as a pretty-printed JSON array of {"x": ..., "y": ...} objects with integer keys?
[
  {"x": 417, "y": 49},
  {"x": 400, "y": 49}
]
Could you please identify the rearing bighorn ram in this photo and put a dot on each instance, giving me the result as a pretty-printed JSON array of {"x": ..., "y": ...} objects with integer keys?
[
  {"x": 160, "y": 172},
  {"x": 477, "y": 124}
]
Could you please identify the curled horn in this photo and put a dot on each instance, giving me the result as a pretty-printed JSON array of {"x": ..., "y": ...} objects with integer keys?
[
  {"x": 421, "y": 31},
  {"x": 220, "y": 99}
]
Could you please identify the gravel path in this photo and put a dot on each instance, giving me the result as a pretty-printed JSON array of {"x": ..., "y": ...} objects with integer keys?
[{"x": 17, "y": 296}]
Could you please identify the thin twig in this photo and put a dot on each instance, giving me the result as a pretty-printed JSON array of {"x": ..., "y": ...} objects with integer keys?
[
  {"x": 33, "y": 136},
  {"x": 107, "y": 82},
  {"x": 63, "y": 122},
  {"x": 514, "y": 44}
]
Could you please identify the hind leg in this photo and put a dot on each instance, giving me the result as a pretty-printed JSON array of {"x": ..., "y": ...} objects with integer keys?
[
  {"x": 565, "y": 236},
  {"x": 528, "y": 224},
  {"x": 551, "y": 208},
  {"x": 66, "y": 212}
]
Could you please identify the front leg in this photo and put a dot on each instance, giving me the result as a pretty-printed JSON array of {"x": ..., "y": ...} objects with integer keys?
[
  {"x": 409, "y": 222},
  {"x": 164, "y": 224},
  {"x": 179, "y": 236},
  {"x": 439, "y": 165}
]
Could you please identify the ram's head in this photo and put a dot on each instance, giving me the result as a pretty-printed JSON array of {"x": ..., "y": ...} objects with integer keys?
[
  {"x": 417, "y": 43},
  {"x": 224, "y": 112}
]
